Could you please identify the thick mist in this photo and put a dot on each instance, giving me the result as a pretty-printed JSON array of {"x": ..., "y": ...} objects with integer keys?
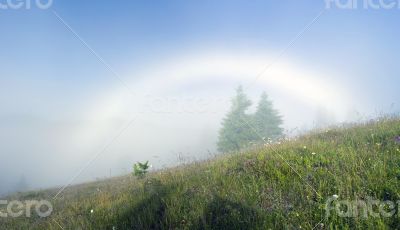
[
  {"x": 169, "y": 116},
  {"x": 87, "y": 90}
]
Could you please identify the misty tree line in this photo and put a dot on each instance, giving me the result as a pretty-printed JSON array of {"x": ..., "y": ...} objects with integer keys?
[{"x": 240, "y": 129}]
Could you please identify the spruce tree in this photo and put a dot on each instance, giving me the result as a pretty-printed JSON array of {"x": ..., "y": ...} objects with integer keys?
[
  {"x": 267, "y": 120},
  {"x": 235, "y": 133}
]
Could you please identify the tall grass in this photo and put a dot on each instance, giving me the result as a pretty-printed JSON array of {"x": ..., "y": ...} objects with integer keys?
[{"x": 279, "y": 186}]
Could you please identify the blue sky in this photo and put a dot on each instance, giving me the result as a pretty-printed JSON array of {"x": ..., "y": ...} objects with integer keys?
[
  {"x": 38, "y": 50},
  {"x": 53, "y": 88}
]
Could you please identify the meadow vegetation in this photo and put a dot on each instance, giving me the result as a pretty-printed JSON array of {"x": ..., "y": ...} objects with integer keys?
[{"x": 283, "y": 185}]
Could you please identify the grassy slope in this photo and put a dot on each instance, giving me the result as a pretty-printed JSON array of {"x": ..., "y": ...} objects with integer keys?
[{"x": 254, "y": 190}]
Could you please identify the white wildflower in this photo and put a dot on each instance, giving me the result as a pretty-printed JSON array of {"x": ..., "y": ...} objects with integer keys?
[
  {"x": 313, "y": 153},
  {"x": 335, "y": 196}
]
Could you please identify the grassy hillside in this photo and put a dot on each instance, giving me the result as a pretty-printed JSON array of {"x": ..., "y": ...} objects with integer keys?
[{"x": 280, "y": 186}]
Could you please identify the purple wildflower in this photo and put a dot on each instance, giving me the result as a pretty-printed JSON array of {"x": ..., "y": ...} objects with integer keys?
[{"x": 397, "y": 139}]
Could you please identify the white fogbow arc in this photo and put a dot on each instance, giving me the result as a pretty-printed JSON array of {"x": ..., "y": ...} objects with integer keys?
[{"x": 163, "y": 79}]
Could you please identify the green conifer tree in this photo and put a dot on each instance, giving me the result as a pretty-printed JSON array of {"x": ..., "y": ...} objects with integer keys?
[
  {"x": 235, "y": 133},
  {"x": 267, "y": 120}
]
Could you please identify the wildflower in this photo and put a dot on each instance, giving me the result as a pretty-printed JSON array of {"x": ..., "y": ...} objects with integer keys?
[
  {"x": 313, "y": 153},
  {"x": 335, "y": 196},
  {"x": 91, "y": 211},
  {"x": 304, "y": 147},
  {"x": 397, "y": 139}
]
